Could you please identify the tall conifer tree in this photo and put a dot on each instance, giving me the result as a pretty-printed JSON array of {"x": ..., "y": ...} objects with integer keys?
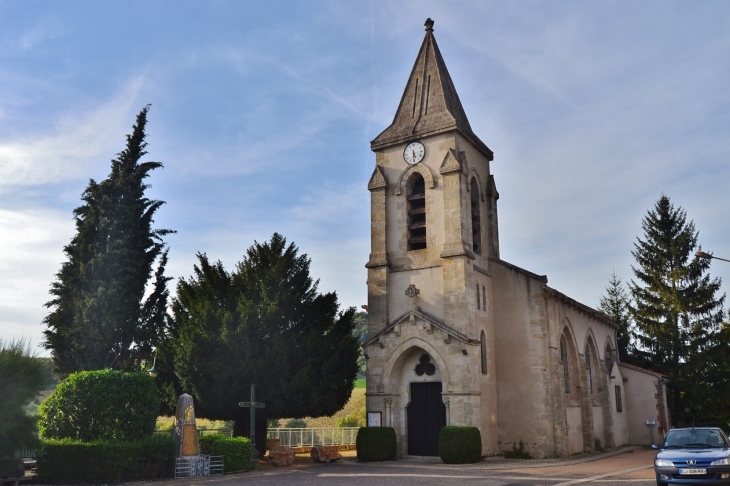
[
  {"x": 98, "y": 318},
  {"x": 676, "y": 306},
  {"x": 616, "y": 305}
]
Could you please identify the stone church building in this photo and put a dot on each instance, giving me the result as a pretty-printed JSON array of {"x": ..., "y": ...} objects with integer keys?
[{"x": 458, "y": 336}]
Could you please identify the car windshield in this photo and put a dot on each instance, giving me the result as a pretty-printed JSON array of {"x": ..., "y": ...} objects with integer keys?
[{"x": 694, "y": 438}]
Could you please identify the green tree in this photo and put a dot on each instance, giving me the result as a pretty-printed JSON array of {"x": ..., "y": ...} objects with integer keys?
[
  {"x": 349, "y": 421},
  {"x": 296, "y": 423},
  {"x": 615, "y": 303},
  {"x": 22, "y": 376},
  {"x": 361, "y": 333},
  {"x": 676, "y": 307},
  {"x": 99, "y": 317},
  {"x": 264, "y": 323}
]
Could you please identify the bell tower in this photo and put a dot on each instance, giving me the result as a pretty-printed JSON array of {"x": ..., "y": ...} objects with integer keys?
[{"x": 433, "y": 233}]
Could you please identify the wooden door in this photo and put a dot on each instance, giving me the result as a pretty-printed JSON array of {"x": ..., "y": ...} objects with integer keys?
[{"x": 426, "y": 416}]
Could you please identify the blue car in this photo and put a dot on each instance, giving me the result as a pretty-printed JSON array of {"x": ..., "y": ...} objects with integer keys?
[{"x": 693, "y": 456}]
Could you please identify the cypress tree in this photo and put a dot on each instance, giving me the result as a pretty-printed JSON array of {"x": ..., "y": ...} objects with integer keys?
[
  {"x": 676, "y": 307},
  {"x": 266, "y": 324},
  {"x": 98, "y": 318}
]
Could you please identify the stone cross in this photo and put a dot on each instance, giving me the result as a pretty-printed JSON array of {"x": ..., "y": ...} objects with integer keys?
[
  {"x": 411, "y": 293},
  {"x": 253, "y": 405}
]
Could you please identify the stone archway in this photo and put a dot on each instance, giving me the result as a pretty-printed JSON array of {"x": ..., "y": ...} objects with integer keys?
[
  {"x": 425, "y": 412},
  {"x": 416, "y": 379}
]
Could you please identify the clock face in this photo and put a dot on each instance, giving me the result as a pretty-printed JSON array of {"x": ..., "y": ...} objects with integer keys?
[{"x": 414, "y": 153}]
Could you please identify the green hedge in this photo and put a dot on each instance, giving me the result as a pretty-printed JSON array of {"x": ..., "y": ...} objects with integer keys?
[
  {"x": 376, "y": 444},
  {"x": 70, "y": 462},
  {"x": 460, "y": 445},
  {"x": 236, "y": 451},
  {"x": 101, "y": 405}
]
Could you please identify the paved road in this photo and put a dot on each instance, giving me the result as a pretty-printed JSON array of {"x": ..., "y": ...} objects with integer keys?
[{"x": 629, "y": 469}]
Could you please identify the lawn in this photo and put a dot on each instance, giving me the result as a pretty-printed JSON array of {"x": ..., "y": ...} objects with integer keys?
[{"x": 360, "y": 383}]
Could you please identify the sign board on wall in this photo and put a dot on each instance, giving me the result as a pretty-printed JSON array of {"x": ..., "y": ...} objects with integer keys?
[{"x": 374, "y": 419}]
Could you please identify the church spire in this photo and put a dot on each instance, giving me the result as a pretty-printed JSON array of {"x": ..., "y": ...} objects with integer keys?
[{"x": 429, "y": 104}]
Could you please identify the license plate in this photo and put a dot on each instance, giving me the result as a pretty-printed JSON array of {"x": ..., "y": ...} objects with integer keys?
[{"x": 692, "y": 471}]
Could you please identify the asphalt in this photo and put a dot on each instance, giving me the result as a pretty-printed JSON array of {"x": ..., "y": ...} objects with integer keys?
[{"x": 622, "y": 467}]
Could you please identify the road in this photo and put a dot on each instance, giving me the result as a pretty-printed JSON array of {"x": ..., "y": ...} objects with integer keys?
[{"x": 627, "y": 469}]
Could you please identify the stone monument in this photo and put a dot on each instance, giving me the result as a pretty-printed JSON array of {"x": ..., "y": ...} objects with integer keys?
[
  {"x": 184, "y": 430},
  {"x": 189, "y": 463}
]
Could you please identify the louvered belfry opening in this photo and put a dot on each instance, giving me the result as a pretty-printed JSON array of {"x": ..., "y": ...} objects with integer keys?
[
  {"x": 416, "y": 212},
  {"x": 476, "y": 222}
]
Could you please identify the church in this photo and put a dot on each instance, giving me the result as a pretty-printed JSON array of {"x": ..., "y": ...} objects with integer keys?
[{"x": 458, "y": 336}]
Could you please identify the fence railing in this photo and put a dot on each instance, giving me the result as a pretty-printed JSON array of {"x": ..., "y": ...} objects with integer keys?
[
  {"x": 226, "y": 432},
  {"x": 27, "y": 453},
  {"x": 314, "y": 436}
]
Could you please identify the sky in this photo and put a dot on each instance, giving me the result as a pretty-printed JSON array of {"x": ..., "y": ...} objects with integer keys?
[{"x": 262, "y": 114}]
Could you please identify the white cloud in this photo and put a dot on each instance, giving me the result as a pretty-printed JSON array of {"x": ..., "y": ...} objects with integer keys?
[
  {"x": 37, "y": 35},
  {"x": 32, "y": 248},
  {"x": 74, "y": 146}
]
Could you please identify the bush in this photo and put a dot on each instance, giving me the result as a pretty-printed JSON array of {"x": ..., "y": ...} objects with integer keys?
[
  {"x": 206, "y": 442},
  {"x": 376, "y": 444},
  {"x": 236, "y": 451},
  {"x": 518, "y": 452},
  {"x": 68, "y": 462},
  {"x": 101, "y": 405},
  {"x": 296, "y": 424},
  {"x": 22, "y": 376},
  {"x": 460, "y": 445}
]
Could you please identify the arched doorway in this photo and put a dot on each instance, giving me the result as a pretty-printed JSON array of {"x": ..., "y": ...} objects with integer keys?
[{"x": 426, "y": 411}]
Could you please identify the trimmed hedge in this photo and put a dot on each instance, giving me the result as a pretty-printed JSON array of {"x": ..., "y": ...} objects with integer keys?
[
  {"x": 376, "y": 444},
  {"x": 236, "y": 451},
  {"x": 460, "y": 445},
  {"x": 101, "y": 405},
  {"x": 70, "y": 462}
]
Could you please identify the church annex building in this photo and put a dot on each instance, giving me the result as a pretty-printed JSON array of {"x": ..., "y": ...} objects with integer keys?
[{"x": 459, "y": 336}]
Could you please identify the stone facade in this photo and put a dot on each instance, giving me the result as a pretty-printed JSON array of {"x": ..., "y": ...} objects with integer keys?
[{"x": 514, "y": 357}]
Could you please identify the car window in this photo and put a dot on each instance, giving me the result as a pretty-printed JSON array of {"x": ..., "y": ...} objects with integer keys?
[{"x": 694, "y": 438}]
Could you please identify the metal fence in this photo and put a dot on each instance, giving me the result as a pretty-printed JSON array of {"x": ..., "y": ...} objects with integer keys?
[
  {"x": 27, "y": 453},
  {"x": 226, "y": 432},
  {"x": 314, "y": 436},
  {"x": 195, "y": 466}
]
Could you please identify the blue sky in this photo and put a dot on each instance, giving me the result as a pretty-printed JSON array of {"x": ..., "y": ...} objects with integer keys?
[{"x": 262, "y": 113}]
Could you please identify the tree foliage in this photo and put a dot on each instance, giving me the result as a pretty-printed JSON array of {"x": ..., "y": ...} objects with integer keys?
[
  {"x": 22, "y": 376},
  {"x": 99, "y": 317},
  {"x": 678, "y": 312},
  {"x": 615, "y": 304},
  {"x": 266, "y": 324},
  {"x": 101, "y": 405},
  {"x": 361, "y": 333}
]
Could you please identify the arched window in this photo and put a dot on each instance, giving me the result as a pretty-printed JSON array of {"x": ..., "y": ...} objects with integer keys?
[
  {"x": 589, "y": 368},
  {"x": 416, "y": 212},
  {"x": 609, "y": 357},
  {"x": 483, "y": 345},
  {"x": 564, "y": 360},
  {"x": 476, "y": 223},
  {"x": 478, "y": 306}
]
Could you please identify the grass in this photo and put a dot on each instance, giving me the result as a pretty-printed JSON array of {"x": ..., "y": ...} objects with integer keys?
[
  {"x": 360, "y": 383},
  {"x": 165, "y": 423}
]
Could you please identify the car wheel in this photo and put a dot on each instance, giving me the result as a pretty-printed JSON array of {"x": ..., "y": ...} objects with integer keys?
[{"x": 659, "y": 483}]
